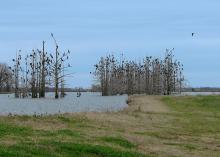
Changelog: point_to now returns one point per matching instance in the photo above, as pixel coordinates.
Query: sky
(137, 28)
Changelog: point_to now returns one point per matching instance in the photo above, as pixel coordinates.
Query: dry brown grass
(145, 103)
(7, 142)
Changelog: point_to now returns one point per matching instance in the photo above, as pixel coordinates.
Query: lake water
(88, 102)
(71, 103)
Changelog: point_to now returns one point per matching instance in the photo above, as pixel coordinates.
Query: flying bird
(193, 34)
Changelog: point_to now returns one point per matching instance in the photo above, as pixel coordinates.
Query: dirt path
(147, 104)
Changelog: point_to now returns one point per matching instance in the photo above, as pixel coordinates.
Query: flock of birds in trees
(152, 76)
(38, 70)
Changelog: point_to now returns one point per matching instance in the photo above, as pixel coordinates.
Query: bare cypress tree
(100, 72)
(62, 82)
(16, 71)
(147, 65)
(33, 75)
(27, 71)
(43, 70)
(58, 67)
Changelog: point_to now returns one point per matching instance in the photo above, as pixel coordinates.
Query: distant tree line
(5, 78)
(31, 75)
(152, 76)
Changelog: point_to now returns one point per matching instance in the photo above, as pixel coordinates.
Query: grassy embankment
(150, 126)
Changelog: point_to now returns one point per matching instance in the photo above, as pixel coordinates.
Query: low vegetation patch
(13, 130)
(68, 149)
(185, 145)
(119, 141)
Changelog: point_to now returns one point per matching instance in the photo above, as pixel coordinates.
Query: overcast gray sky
(94, 28)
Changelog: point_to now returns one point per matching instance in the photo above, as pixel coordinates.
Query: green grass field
(190, 126)
(19, 137)
(197, 115)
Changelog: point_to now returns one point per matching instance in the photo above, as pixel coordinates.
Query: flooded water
(88, 102)
(71, 103)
